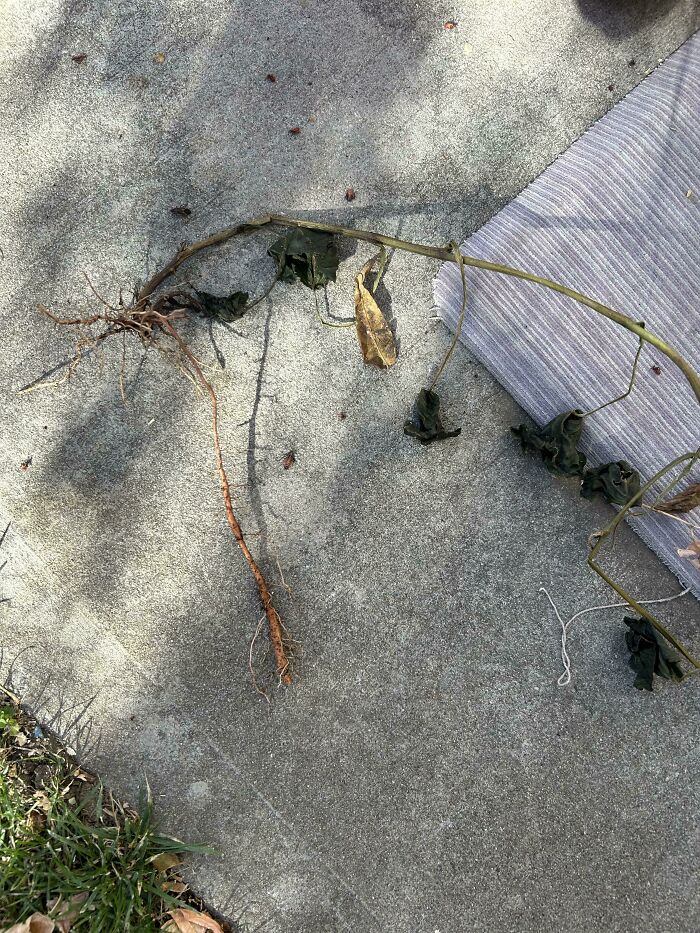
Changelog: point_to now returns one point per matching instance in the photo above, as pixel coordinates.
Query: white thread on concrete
(565, 678)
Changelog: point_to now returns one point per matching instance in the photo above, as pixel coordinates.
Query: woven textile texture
(616, 217)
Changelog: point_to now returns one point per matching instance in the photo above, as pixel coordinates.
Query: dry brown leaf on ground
(37, 923)
(69, 911)
(692, 552)
(174, 887)
(373, 332)
(166, 860)
(42, 801)
(685, 501)
(185, 920)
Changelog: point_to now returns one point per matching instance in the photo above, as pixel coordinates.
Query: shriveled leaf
(307, 255)
(37, 820)
(685, 501)
(165, 861)
(615, 482)
(174, 887)
(692, 552)
(650, 654)
(223, 307)
(557, 443)
(42, 801)
(37, 923)
(185, 920)
(68, 911)
(373, 332)
(427, 424)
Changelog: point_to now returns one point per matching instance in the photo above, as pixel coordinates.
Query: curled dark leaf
(80, 58)
(650, 654)
(181, 211)
(427, 424)
(616, 482)
(307, 255)
(222, 307)
(557, 443)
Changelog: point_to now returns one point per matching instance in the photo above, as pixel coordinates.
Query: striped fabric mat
(616, 217)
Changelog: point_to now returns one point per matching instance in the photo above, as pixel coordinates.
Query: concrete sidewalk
(425, 772)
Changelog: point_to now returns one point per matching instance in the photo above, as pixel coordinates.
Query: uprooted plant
(307, 253)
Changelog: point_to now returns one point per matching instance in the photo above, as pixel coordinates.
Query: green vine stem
(457, 257)
(433, 252)
(610, 529)
(451, 253)
(620, 398)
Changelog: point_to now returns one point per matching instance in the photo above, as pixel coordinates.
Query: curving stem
(644, 613)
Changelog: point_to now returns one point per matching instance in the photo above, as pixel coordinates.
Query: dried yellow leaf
(184, 920)
(373, 332)
(165, 860)
(37, 923)
(42, 801)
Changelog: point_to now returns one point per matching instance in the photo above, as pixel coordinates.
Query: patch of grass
(69, 849)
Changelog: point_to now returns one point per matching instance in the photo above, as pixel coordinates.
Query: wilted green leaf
(307, 255)
(223, 307)
(650, 654)
(426, 424)
(616, 482)
(557, 443)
